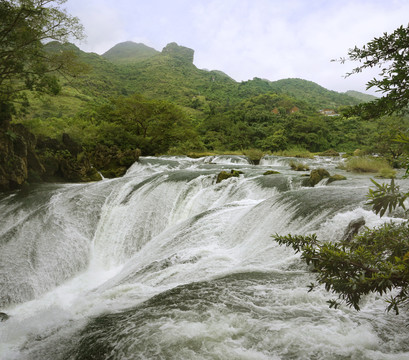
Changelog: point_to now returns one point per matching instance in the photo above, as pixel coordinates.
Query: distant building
(328, 112)
(294, 109)
(275, 111)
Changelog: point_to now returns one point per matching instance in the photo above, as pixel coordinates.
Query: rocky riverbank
(26, 159)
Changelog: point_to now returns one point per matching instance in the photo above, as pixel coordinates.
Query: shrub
(297, 152)
(298, 166)
(387, 173)
(330, 152)
(362, 164)
(253, 154)
(223, 175)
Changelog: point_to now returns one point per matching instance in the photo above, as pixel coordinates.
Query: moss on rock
(336, 177)
(316, 176)
(223, 175)
(329, 152)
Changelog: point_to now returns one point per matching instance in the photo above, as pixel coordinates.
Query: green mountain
(129, 52)
(314, 94)
(130, 68)
(226, 114)
(361, 96)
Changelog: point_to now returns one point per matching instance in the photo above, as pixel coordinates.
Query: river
(165, 263)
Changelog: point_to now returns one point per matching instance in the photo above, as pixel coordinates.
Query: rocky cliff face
(24, 159)
(18, 160)
(179, 52)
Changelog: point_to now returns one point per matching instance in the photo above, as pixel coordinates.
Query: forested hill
(361, 96)
(134, 100)
(171, 75)
(129, 52)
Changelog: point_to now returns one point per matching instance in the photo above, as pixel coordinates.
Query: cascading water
(164, 263)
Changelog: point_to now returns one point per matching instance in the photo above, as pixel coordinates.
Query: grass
(298, 166)
(252, 154)
(387, 173)
(367, 164)
(297, 152)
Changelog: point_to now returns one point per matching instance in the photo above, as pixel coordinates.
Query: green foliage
(129, 53)
(386, 173)
(223, 175)
(366, 164)
(390, 53)
(296, 151)
(336, 177)
(253, 154)
(386, 197)
(24, 63)
(269, 116)
(317, 175)
(329, 152)
(151, 125)
(298, 166)
(375, 261)
(360, 96)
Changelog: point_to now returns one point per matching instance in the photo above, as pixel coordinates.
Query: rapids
(164, 263)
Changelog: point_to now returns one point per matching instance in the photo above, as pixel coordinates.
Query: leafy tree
(154, 126)
(391, 55)
(377, 261)
(388, 128)
(25, 25)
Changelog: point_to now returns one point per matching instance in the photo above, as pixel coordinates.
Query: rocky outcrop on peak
(179, 52)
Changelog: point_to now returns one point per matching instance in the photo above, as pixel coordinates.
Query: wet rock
(111, 161)
(353, 228)
(72, 146)
(336, 177)
(329, 152)
(223, 175)
(271, 172)
(316, 176)
(17, 157)
(3, 316)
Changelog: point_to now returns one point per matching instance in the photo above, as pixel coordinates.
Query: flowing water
(164, 263)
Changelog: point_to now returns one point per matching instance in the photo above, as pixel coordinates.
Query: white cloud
(102, 23)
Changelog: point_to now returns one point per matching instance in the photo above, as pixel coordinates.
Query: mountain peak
(180, 52)
(129, 52)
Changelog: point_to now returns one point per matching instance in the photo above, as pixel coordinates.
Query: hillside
(310, 92)
(129, 68)
(224, 114)
(360, 96)
(129, 52)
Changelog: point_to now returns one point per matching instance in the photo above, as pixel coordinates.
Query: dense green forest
(136, 97)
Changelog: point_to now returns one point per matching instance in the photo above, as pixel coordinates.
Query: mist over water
(164, 263)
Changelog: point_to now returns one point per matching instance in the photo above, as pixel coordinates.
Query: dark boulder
(3, 316)
(223, 175)
(316, 176)
(353, 228)
(336, 177)
(329, 152)
(71, 145)
(271, 172)
(17, 157)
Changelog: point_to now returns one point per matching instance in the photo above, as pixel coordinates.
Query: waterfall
(165, 263)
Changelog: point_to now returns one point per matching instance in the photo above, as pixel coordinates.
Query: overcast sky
(271, 39)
